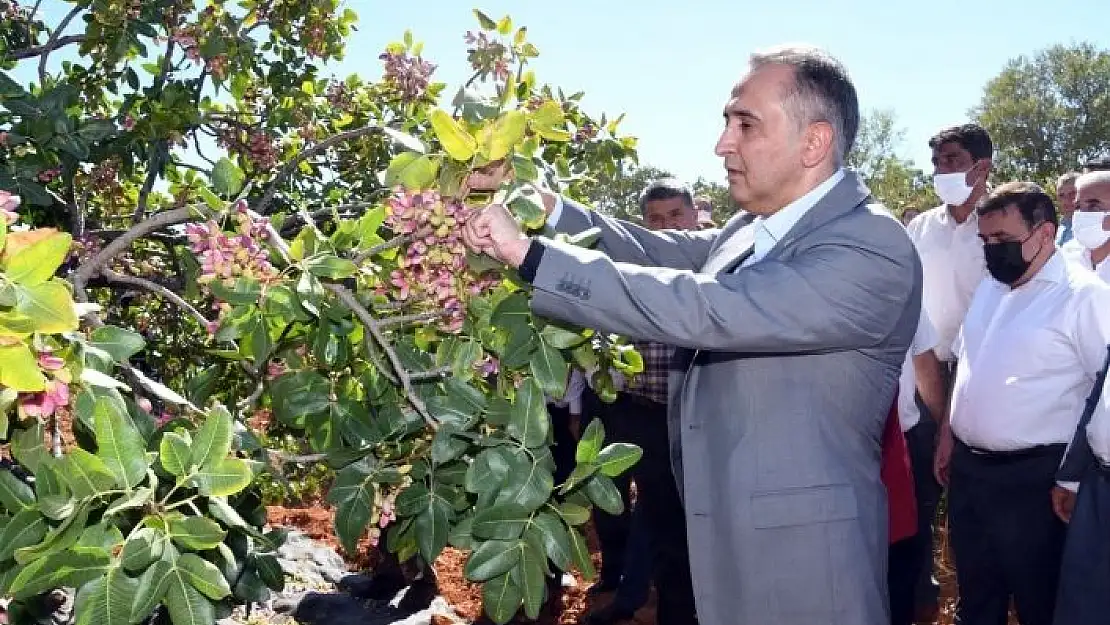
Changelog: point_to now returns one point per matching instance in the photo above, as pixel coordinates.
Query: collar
(944, 216)
(1055, 270)
(770, 230)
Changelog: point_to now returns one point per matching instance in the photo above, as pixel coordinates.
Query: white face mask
(1086, 227)
(952, 188)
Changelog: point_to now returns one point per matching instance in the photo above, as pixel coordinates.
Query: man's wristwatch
(531, 262)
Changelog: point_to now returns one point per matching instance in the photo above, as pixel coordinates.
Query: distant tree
(893, 180)
(619, 195)
(1048, 113)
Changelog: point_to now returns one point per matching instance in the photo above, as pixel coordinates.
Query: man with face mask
(1091, 224)
(946, 238)
(1030, 349)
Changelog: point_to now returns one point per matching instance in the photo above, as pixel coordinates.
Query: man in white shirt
(1066, 195)
(1029, 351)
(1090, 244)
(922, 381)
(947, 240)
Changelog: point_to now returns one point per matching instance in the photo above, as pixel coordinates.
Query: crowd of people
(818, 375)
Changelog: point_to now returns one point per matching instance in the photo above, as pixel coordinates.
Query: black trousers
(1006, 540)
(644, 423)
(1084, 594)
(909, 573)
(565, 443)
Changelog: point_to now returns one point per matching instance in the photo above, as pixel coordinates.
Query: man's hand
(1063, 502)
(944, 454)
(495, 232)
(488, 179)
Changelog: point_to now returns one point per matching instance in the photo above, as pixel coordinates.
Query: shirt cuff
(1072, 486)
(556, 213)
(531, 263)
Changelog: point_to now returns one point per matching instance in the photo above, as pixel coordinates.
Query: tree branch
(33, 51)
(396, 241)
(414, 318)
(53, 42)
(294, 162)
(431, 374)
(154, 287)
(94, 265)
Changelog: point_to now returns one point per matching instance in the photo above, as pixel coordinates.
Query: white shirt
(1073, 252)
(771, 229)
(952, 266)
(924, 340)
(572, 398)
(1028, 358)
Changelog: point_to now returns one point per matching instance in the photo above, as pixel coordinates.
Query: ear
(817, 143)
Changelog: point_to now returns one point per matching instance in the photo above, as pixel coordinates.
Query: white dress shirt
(1073, 252)
(1028, 358)
(924, 340)
(952, 267)
(771, 229)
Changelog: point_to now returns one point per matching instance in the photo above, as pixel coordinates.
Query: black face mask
(1005, 261)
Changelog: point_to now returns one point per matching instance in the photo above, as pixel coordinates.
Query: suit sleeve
(626, 242)
(847, 292)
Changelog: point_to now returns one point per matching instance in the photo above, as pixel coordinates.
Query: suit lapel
(733, 251)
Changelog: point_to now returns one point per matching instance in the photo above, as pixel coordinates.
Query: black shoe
(609, 615)
(602, 587)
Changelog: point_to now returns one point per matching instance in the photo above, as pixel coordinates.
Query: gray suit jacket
(778, 399)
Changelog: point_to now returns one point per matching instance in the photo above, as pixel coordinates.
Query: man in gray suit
(793, 323)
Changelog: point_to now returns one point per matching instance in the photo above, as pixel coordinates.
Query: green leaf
(432, 526)
(223, 478)
(524, 168)
(142, 549)
(55, 499)
(404, 140)
(119, 445)
(501, 599)
(121, 344)
(160, 390)
(329, 266)
(413, 171)
(29, 447)
(298, 394)
(174, 453)
(530, 421)
(556, 540)
(492, 558)
(85, 474)
(527, 206)
(204, 576)
(186, 604)
(549, 122)
(501, 522)
(69, 568)
(604, 493)
(135, 499)
(551, 370)
(353, 491)
(505, 133)
(36, 263)
(617, 458)
(561, 338)
(484, 21)
(227, 178)
(528, 483)
(505, 25)
(574, 514)
(456, 141)
(106, 600)
(589, 446)
(197, 533)
(269, 571)
(446, 445)
(212, 442)
(60, 538)
(19, 369)
(488, 470)
(529, 575)
(151, 589)
(15, 496)
(581, 552)
(25, 529)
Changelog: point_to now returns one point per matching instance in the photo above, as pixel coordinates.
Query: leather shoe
(609, 615)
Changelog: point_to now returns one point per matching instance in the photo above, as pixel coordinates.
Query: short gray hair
(1071, 176)
(1098, 176)
(822, 91)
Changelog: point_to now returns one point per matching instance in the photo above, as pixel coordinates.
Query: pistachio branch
(397, 241)
(53, 42)
(413, 318)
(154, 287)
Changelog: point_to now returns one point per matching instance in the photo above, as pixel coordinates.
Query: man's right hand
(943, 455)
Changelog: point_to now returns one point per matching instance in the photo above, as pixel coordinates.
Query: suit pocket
(803, 506)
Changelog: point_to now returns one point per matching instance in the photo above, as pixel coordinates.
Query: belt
(1015, 455)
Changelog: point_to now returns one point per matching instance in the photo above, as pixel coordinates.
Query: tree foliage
(893, 180)
(271, 241)
(1048, 112)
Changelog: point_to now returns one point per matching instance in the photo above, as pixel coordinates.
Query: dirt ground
(567, 609)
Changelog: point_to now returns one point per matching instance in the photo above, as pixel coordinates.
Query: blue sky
(671, 70)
